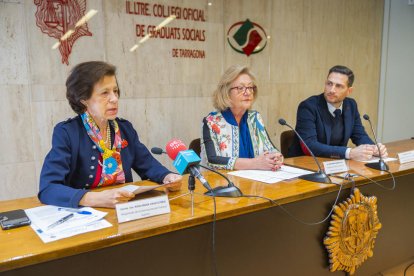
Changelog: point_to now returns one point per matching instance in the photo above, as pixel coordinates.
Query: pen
(62, 220)
(75, 211)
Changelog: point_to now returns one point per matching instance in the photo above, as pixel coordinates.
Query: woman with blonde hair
(234, 137)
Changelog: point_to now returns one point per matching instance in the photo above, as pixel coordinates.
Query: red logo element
(56, 17)
(247, 37)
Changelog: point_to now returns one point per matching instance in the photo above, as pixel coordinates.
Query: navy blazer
(314, 124)
(70, 166)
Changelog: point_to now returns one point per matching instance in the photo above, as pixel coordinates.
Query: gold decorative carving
(351, 235)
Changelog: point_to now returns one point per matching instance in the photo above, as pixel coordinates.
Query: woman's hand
(174, 181)
(106, 198)
(268, 161)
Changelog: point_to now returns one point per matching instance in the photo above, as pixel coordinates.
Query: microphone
(185, 161)
(381, 165)
(188, 161)
(158, 151)
(320, 176)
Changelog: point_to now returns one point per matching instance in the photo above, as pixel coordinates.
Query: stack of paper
(135, 189)
(53, 223)
(270, 177)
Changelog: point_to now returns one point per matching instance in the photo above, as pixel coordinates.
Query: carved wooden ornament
(351, 236)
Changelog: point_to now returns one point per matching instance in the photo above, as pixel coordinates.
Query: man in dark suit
(327, 121)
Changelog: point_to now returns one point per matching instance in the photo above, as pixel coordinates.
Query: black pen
(62, 220)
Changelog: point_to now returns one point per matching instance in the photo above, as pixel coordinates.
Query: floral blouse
(220, 140)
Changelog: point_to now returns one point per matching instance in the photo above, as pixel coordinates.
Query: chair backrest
(195, 145)
(286, 139)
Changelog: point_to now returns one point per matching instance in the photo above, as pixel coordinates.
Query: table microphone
(157, 151)
(320, 176)
(178, 152)
(381, 165)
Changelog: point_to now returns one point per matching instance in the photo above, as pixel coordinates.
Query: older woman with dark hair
(95, 148)
(234, 137)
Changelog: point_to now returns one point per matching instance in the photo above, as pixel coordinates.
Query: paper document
(54, 223)
(376, 159)
(140, 189)
(285, 173)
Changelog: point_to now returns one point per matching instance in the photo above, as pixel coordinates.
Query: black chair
(286, 139)
(195, 145)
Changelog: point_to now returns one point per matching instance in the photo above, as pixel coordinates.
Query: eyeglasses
(243, 89)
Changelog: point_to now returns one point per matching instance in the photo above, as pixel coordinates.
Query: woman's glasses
(244, 89)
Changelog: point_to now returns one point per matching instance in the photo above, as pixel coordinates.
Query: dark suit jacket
(314, 124)
(70, 167)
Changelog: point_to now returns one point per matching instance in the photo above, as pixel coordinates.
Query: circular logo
(352, 233)
(247, 37)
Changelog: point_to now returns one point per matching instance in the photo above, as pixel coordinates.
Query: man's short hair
(345, 71)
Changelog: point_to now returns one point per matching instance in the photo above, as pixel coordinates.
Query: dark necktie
(337, 134)
(337, 113)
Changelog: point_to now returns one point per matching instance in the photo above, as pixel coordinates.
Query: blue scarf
(245, 141)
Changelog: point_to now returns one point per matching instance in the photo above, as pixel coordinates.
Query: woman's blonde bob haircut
(221, 96)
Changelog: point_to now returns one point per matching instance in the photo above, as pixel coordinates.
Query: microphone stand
(320, 176)
(191, 188)
(224, 191)
(381, 165)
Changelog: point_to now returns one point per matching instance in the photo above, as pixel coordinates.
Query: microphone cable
(380, 185)
(295, 217)
(217, 172)
(347, 178)
(214, 235)
(406, 269)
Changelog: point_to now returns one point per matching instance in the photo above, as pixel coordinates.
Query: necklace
(108, 136)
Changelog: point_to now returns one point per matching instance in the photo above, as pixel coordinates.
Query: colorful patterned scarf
(112, 171)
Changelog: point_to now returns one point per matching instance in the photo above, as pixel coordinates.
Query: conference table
(252, 235)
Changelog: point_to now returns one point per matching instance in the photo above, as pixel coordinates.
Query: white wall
(396, 106)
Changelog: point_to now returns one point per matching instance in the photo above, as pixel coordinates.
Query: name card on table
(335, 166)
(142, 208)
(405, 157)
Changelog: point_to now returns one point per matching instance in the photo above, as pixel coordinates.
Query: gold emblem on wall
(351, 236)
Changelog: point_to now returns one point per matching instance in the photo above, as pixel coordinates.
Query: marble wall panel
(13, 57)
(289, 15)
(366, 99)
(134, 110)
(323, 55)
(45, 63)
(15, 127)
(290, 62)
(325, 16)
(18, 180)
(45, 115)
(48, 92)
(283, 104)
(364, 14)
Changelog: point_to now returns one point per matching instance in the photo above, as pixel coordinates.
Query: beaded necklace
(108, 140)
